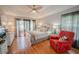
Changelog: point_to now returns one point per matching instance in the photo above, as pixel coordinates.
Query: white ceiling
(23, 10)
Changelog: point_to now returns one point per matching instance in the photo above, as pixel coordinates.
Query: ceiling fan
(35, 8)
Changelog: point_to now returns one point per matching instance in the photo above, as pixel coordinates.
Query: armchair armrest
(54, 37)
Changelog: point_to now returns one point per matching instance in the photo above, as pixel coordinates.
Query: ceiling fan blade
(34, 6)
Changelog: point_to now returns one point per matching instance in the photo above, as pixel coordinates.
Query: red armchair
(59, 45)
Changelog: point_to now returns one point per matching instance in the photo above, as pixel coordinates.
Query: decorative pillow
(63, 38)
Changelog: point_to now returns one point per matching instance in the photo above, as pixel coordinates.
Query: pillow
(63, 38)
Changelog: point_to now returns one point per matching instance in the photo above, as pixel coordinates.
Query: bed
(37, 36)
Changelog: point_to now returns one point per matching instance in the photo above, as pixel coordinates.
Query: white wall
(9, 22)
(55, 18)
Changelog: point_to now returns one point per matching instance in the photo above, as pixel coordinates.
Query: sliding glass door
(20, 34)
(27, 25)
(34, 25)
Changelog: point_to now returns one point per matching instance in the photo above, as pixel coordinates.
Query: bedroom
(28, 25)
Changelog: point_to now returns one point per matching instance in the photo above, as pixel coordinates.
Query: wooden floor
(39, 48)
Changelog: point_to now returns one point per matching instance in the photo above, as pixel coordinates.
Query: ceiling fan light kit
(34, 11)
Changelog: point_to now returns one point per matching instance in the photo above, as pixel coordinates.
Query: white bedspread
(39, 35)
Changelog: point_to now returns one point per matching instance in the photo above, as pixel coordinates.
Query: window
(26, 24)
